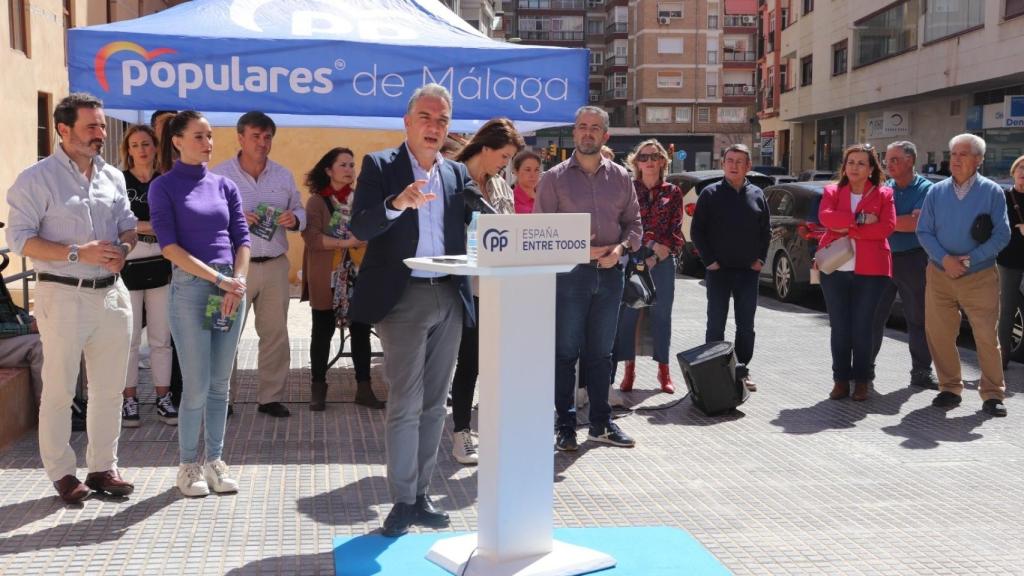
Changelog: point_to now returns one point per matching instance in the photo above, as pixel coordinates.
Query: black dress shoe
(402, 516)
(429, 515)
(924, 380)
(946, 399)
(994, 407)
(275, 409)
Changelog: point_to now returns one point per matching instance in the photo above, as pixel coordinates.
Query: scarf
(340, 195)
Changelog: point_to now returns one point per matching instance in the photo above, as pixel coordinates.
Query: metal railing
(740, 56)
(615, 94)
(616, 28)
(740, 90)
(24, 276)
(551, 4)
(545, 35)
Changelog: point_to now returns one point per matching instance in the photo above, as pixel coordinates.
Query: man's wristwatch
(73, 253)
(125, 248)
(966, 262)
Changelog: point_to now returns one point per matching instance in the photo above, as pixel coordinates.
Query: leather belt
(262, 259)
(432, 281)
(147, 238)
(94, 283)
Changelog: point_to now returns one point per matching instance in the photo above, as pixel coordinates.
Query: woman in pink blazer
(858, 207)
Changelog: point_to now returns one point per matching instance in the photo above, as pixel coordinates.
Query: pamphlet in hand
(214, 318)
(337, 227)
(266, 221)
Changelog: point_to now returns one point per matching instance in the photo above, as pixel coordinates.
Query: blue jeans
(206, 360)
(660, 316)
(740, 284)
(586, 314)
(851, 300)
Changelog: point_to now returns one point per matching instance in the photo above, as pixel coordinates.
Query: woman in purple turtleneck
(198, 220)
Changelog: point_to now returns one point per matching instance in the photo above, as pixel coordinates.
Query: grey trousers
(908, 278)
(420, 337)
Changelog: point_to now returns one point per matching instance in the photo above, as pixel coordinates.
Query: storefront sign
(890, 124)
(1013, 112)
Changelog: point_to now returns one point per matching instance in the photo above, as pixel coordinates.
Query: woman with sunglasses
(661, 212)
(861, 208)
(329, 266)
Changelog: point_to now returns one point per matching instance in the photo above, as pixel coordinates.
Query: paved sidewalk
(792, 484)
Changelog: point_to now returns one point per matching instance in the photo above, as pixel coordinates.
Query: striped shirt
(53, 201)
(276, 188)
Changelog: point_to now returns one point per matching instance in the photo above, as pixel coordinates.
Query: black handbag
(638, 291)
(146, 273)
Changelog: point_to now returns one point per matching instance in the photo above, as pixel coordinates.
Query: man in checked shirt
(261, 181)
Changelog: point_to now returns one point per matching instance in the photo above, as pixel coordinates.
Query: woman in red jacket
(859, 207)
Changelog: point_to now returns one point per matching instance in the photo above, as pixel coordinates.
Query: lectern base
(452, 554)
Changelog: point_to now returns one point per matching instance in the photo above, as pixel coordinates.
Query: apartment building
(772, 74)
(681, 71)
(878, 70)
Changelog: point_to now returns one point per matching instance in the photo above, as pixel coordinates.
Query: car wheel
(784, 279)
(1017, 335)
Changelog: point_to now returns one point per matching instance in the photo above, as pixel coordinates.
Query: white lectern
(517, 367)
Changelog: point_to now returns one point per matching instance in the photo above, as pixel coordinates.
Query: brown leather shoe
(71, 489)
(109, 482)
(861, 390)
(840, 390)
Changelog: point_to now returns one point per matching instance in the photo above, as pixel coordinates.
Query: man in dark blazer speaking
(409, 202)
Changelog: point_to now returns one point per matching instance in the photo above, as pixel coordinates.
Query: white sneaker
(463, 448)
(191, 482)
(615, 398)
(218, 477)
(582, 399)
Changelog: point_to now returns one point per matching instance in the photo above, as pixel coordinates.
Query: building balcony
(730, 56)
(736, 21)
(615, 94)
(739, 90)
(596, 69)
(616, 29)
(614, 62)
(550, 36)
(563, 5)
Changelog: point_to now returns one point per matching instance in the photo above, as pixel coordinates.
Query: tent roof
(350, 63)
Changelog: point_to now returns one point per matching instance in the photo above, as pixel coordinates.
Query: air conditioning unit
(748, 20)
(664, 20)
(748, 90)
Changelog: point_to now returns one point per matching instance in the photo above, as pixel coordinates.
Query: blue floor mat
(645, 551)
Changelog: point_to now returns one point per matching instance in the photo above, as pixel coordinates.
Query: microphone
(476, 201)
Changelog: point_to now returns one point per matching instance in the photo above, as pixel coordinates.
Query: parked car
(782, 178)
(815, 176)
(692, 183)
(770, 170)
(795, 234)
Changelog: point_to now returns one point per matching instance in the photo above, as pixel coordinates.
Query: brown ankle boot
(861, 390)
(627, 378)
(665, 379)
(318, 396)
(365, 396)
(840, 390)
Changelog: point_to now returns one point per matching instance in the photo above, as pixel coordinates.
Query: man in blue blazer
(409, 202)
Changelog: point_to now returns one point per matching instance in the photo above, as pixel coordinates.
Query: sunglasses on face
(647, 157)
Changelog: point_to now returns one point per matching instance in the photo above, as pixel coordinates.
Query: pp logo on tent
(109, 50)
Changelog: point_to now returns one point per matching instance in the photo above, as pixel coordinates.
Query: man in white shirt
(264, 184)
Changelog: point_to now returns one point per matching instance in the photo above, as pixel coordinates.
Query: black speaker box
(710, 374)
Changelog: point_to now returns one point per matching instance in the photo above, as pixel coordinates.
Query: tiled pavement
(793, 484)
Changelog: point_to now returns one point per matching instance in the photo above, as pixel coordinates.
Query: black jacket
(731, 227)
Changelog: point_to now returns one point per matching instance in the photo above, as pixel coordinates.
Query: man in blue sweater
(963, 226)
(731, 229)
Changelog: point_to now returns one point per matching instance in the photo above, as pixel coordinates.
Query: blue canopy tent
(342, 63)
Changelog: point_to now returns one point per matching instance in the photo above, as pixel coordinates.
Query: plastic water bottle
(471, 238)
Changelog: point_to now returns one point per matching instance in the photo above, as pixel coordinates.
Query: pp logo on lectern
(495, 240)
